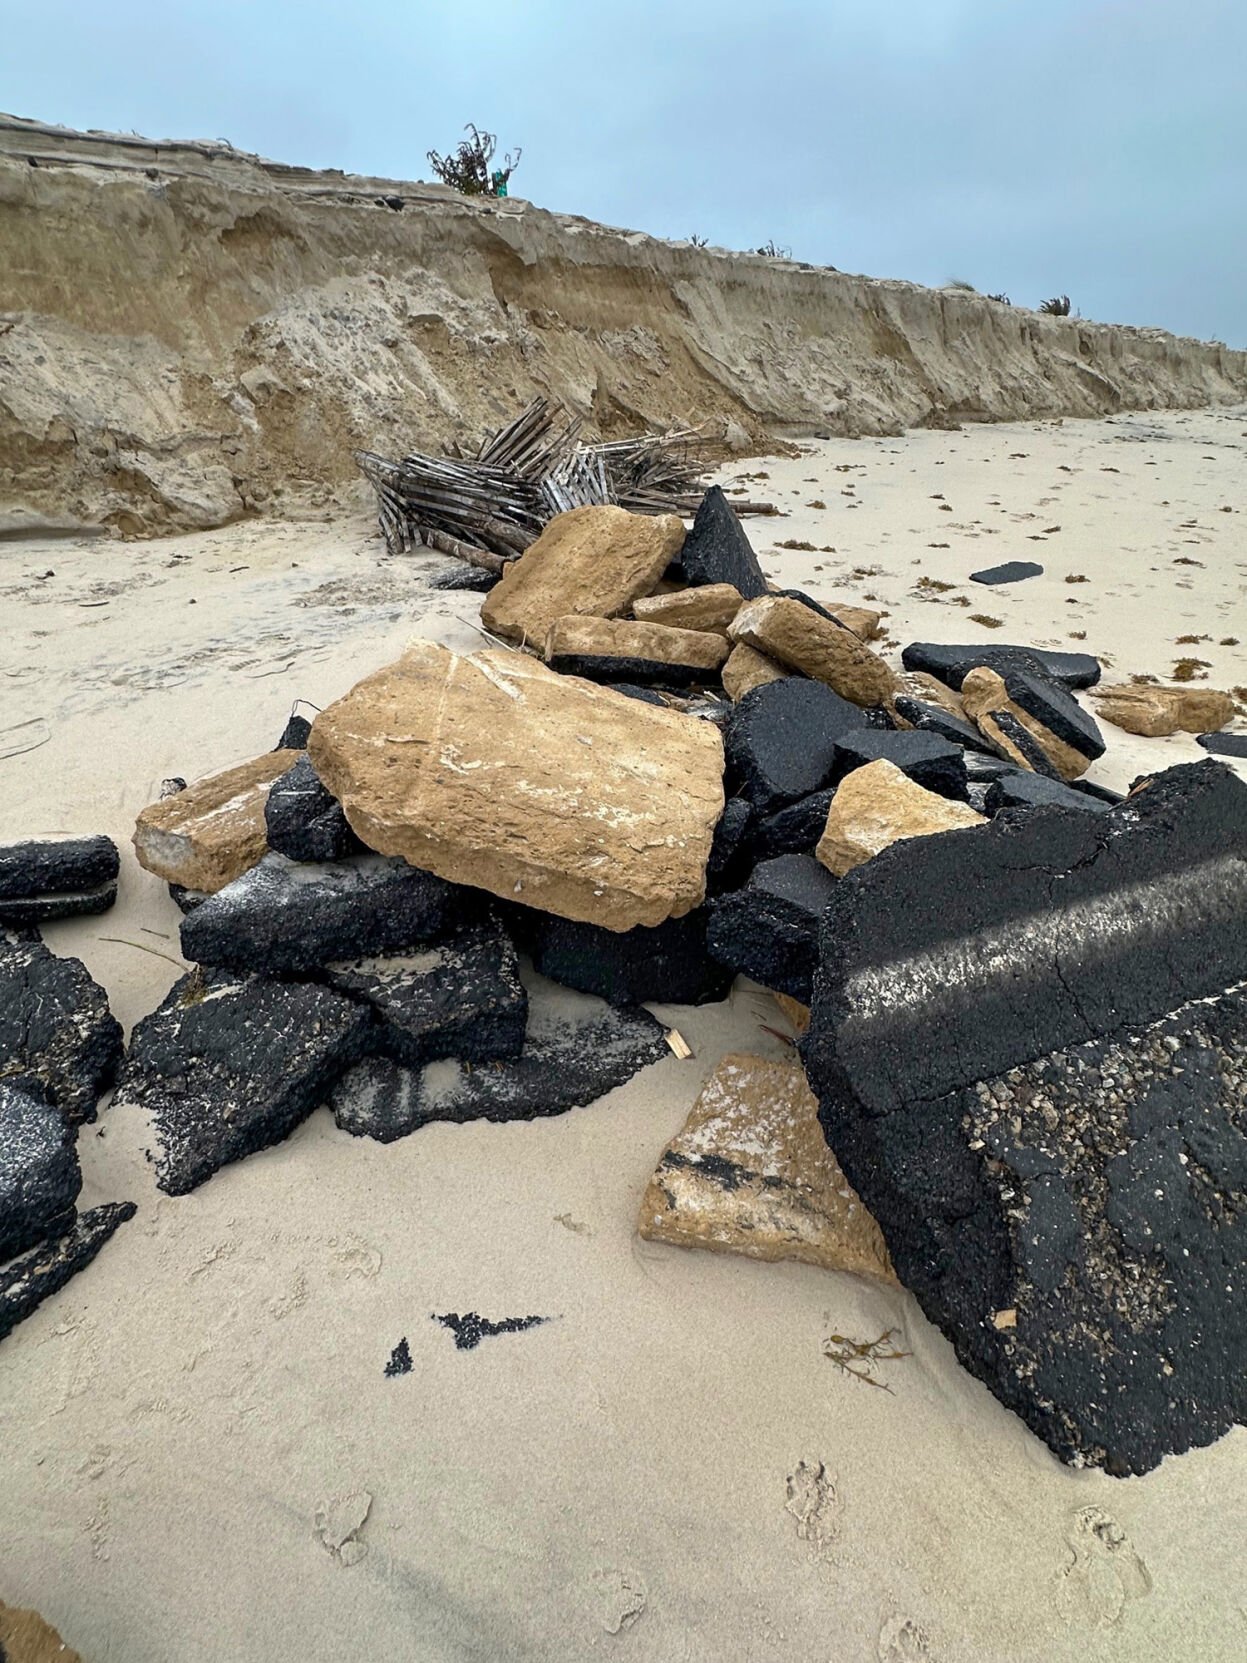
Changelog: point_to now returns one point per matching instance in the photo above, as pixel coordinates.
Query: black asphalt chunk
(286, 916)
(1057, 709)
(458, 997)
(814, 606)
(57, 868)
(1224, 744)
(936, 764)
(728, 865)
(469, 1330)
(26, 914)
(186, 900)
(39, 1176)
(794, 830)
(294, 735)
(1019, 789)
(472, 578)
(952, 665)
(613, 669)
(27, 1281)
(571, 1057)
(931, 718)
(229, 1064)
(716, 550)
(781, 741)
(58, 1039)
(769, 930)
(304, 821)
(1012, 571)
(645, 695)
(1019, 735)
(400, 1359)
(1029, 1066)
(667, 964)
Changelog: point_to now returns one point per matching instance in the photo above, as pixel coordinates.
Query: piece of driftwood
(489, 508)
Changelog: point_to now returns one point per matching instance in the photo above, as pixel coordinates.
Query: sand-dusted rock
(1015, 731)
(781, 740)
(1158, 711)
(620, 649)
(25, 1282)
(717, 550)
(769, 929)
(795, 635)
(710, 608)
(58, 1039)
(593, 562)
(919, 684)
(213, 831)
(746, 669)
(575, 1051)
(876, 806)
(750, 1172)
(43, 878)
(952, 664)
(26, 1638)
(494, 771)
(39, 1176)
(230, 1064)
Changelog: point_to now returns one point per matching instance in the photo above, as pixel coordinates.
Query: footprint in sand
(814, 1503)
(902, 1641)
(1103, 1573)
(621, 1597)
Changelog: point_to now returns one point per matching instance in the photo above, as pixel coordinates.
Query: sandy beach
(200, 1437)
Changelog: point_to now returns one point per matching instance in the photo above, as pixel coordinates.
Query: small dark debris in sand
(469, 1330)
(400, 1359)
(987, 623)
(1191, 669)
(1077, 577)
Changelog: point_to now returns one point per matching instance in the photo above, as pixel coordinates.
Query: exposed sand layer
(189, 334)
(199, 1434)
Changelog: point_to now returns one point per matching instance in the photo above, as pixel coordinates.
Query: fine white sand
(671, 1469)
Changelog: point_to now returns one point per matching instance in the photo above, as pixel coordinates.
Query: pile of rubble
(1023, 1088)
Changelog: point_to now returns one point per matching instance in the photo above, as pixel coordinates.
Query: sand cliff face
(189, 335)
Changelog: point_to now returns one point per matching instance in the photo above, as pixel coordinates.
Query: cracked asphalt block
(1030, 1054)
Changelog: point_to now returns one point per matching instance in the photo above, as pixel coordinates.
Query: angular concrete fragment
(230, 1064)
(42, 1271)
(935, 764)
(39, 1176)
(1018, 789)
(286, 916)
(460, 997)
(1027, 1064)
(619, 649)
(213, 831)
(750, 1172)
(576, 1050)
(876, 806)
(795, 829)
(668, 964)
(792, 634)
(952, 664)
(302, 820)
(781, 740)
(746, 669)
(711, 608)
(493, 771)
(1158, 711)
(769, 929)
(592, 562)
(56, 877)
(717, 550)
(998, 717)
(58, 1039)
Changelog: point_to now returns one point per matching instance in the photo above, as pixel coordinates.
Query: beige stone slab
(878, 805)
(794, 634)
(1156, 712)
(625, 639)
(212, 832)
(494, 771)
(864, 621)
(591, 561)
(746, 669)
(26, 1638)
(711, 607)
(750, 1172)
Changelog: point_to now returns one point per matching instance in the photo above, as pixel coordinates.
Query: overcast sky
(1094, 147)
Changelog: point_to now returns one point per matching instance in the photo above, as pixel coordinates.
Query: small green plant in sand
(861, 1358)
